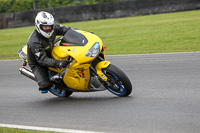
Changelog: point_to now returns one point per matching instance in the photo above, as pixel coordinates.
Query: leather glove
(63, 64)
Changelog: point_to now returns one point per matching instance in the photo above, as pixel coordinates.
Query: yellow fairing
(100, 66)
(77, 52)
(56, 69)
(24, 50)
(77, 76)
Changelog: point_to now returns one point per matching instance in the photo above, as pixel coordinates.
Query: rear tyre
(58, 91)
(62, 93)
(57, 87)
(119, 83)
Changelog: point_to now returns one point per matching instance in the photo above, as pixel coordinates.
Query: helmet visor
(47, 28)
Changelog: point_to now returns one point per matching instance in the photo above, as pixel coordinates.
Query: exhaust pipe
(27, 72)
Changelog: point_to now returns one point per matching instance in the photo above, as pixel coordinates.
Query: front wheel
(118, 83)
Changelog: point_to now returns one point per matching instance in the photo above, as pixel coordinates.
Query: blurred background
(20, 13)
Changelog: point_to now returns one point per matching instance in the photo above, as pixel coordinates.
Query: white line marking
(45, 129)
(157, 54)
(13, 60)
(198, 52)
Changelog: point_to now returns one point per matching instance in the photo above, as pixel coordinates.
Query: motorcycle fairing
(61, 52)
(23, 52)
(77, 76)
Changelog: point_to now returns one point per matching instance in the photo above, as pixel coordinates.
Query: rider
(40, 45)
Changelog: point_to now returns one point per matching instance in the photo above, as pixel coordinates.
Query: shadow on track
(82, 101)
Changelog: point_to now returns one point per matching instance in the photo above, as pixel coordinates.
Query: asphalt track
(165, 98)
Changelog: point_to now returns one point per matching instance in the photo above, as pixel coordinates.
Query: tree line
(8, 6)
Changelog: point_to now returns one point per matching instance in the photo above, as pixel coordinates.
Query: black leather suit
(39, 55)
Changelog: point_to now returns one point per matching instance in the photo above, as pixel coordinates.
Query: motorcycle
(87, 70)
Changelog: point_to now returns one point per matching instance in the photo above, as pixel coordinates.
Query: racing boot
(44, 90)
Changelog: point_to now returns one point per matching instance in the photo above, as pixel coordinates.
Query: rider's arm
(41, 57)
(60, 29)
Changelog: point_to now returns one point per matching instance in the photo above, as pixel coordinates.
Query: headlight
(93, 51)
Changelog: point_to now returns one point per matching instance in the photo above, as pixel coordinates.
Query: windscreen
(74, 38)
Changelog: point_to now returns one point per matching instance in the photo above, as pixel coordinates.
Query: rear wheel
(58, 85)
(119, 84)
(58, 91)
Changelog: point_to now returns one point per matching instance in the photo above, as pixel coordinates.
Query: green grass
(162, 33)
(11, 130)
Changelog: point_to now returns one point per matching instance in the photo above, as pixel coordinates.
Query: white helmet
(44, 18)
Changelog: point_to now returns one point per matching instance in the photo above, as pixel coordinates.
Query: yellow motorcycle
(87, 71)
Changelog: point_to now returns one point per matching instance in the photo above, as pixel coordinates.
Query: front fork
(98, 71)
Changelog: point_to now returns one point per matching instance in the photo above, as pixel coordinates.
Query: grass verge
(11, 130)
(161, 33)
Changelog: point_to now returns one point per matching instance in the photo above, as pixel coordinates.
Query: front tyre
(119, 83)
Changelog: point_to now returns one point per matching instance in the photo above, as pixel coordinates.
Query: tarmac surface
(165, 98)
